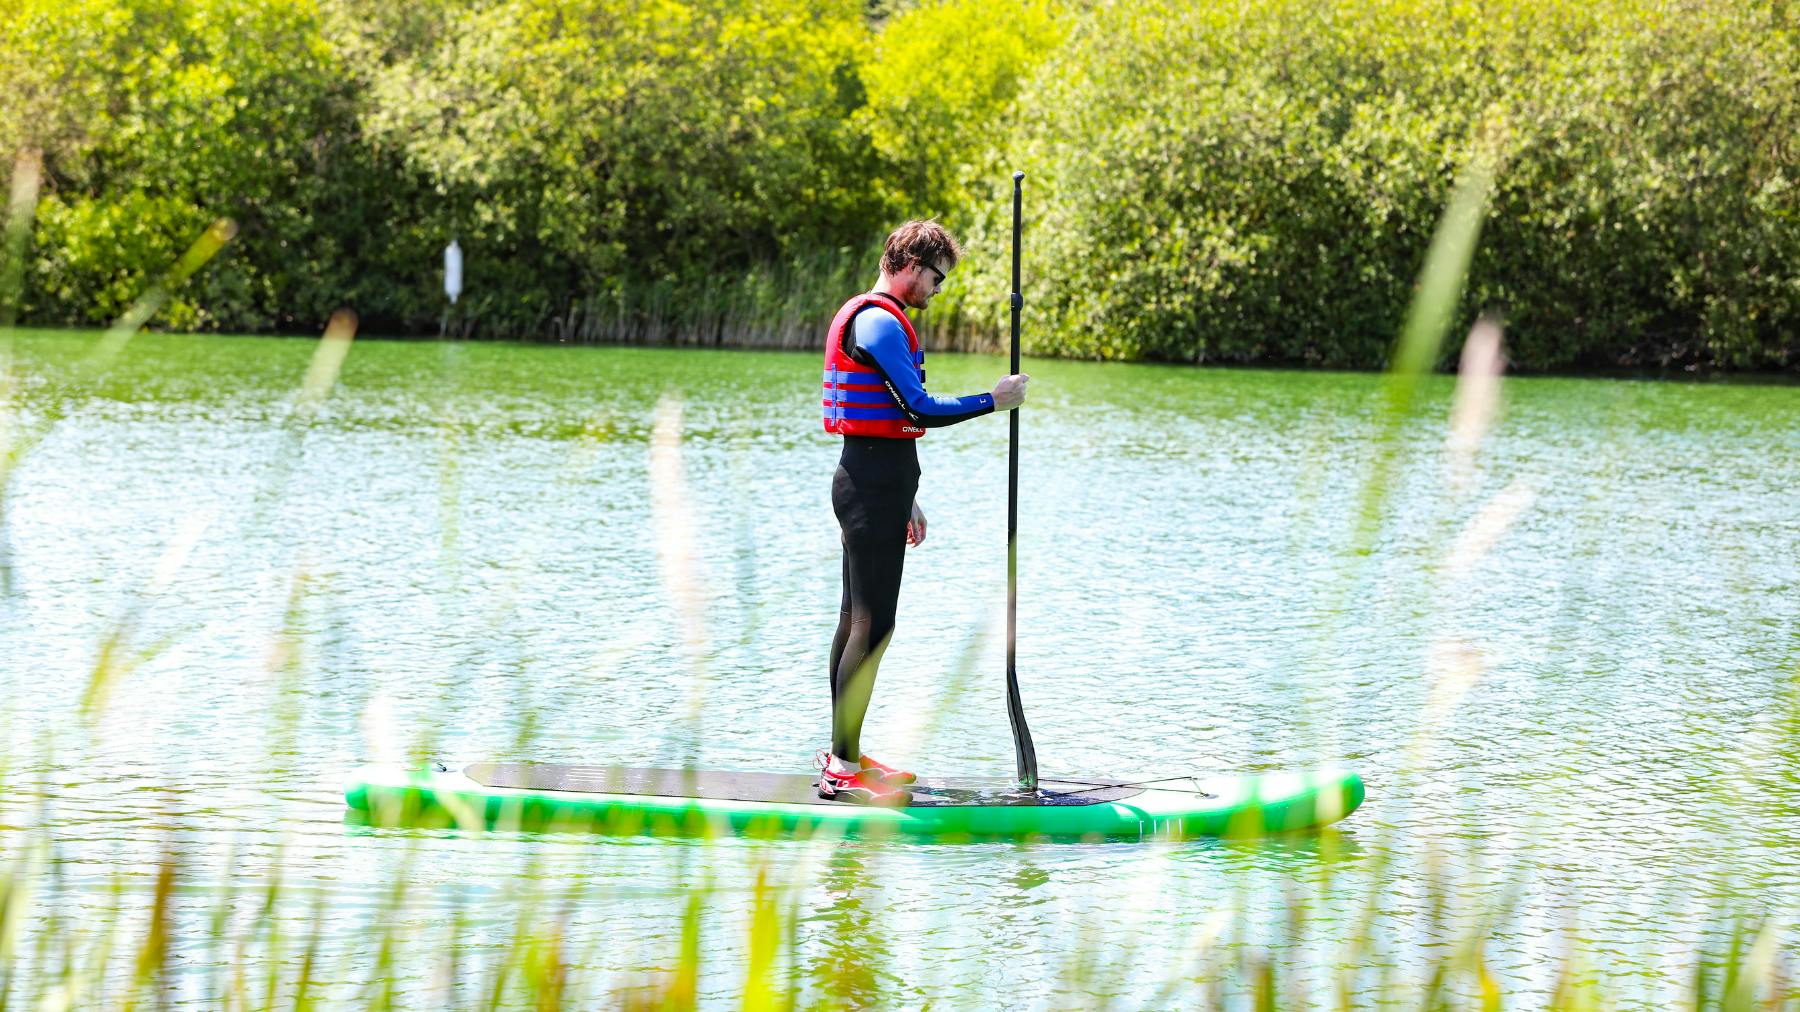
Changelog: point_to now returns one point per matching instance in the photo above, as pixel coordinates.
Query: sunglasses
(933, 269)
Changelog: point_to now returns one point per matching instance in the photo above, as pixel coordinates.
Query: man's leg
(873, 568)
(841, 638)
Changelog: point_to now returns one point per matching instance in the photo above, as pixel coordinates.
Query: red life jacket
(857, 402)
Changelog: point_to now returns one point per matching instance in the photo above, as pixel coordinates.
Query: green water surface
(1564, 666)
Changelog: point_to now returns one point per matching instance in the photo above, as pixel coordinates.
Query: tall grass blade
(327, 361)
(762, 991)
(119, 652)
(201, 250)
(21, 208)
(150, 971)
(677, 551)
(1437, 293)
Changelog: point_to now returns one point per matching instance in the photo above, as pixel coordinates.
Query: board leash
(1145, 784)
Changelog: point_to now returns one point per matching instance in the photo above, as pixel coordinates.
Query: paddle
(1015, 712)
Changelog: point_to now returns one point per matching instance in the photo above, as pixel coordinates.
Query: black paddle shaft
(1015, 711)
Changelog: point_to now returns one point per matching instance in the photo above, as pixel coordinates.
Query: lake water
(1565, 666)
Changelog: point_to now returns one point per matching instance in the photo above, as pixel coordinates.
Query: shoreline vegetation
(1254, 185)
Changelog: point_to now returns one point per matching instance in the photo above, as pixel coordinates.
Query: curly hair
(919, 240)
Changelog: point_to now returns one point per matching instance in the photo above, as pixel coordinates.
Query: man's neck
(890, 286)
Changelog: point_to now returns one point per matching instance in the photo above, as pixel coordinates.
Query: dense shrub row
(1261, 186)
(1245, 182)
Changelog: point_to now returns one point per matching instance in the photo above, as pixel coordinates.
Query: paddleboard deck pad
(778, 788)
(551, 796)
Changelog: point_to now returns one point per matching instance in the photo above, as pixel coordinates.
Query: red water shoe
(859, 787)
(886, 772)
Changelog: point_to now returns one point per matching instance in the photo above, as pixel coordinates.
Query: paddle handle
(1023, 750)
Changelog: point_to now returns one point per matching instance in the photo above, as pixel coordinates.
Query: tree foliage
(1259, 184)
(608, 145)
(942, 79)
(1253, 182)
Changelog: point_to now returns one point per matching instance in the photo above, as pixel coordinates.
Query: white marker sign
(453, 271)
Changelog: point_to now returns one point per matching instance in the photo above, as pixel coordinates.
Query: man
(875, 397)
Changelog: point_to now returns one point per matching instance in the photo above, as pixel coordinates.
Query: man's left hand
(915, 528)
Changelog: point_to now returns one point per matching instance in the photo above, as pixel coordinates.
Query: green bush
(216, 108)
(97, 257)
(1260, 184)
(617, 151)
(940, 80)
(1649, 213)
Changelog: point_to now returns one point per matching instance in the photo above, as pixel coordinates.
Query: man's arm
(880, 343)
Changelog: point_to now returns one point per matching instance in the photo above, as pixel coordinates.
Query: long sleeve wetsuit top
(881, 343)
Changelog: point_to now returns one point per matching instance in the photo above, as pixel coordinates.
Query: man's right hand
(1009, 393)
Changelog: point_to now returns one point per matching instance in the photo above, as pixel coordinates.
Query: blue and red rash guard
(879, 344)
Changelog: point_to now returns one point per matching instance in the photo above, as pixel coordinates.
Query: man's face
(927, 281)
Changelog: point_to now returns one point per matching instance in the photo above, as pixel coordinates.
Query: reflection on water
(1584, 732)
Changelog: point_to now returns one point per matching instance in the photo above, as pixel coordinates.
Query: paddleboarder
(875, 397)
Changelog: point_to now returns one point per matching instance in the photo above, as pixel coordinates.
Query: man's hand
(1009, 393)
(915, 528)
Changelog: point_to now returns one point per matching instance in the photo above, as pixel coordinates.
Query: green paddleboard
(621, 799)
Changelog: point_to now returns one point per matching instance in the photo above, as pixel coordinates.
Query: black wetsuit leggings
(872, 494)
